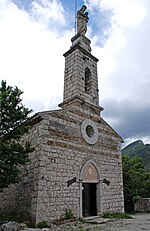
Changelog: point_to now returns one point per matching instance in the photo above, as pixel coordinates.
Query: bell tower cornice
(83, 47)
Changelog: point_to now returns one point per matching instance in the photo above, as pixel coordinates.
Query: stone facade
(75, 150)
(142, 205)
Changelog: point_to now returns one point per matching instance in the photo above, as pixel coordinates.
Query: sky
(34, 35)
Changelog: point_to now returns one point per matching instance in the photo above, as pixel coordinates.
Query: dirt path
(140, 222)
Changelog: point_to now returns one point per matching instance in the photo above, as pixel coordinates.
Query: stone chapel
(77, 160)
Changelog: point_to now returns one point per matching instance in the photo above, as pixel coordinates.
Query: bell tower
(80, 75)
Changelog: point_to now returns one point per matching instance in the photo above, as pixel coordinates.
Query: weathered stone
(142, 205)
(10, 226)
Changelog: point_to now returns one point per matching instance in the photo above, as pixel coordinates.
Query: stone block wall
(20, 200)
(142, 205)
(59, 156)
(74, 77)
(64, 153)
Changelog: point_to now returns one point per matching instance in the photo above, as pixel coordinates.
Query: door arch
(90, 190)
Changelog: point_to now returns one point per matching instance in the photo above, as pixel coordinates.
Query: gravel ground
(140, 222)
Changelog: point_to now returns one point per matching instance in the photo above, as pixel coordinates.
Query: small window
(88, 80)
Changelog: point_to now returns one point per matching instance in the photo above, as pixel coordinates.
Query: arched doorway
(90, 190)
(89, 199)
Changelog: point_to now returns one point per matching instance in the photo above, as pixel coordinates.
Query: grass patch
(42, 224)
(117, 215)
(81, 219)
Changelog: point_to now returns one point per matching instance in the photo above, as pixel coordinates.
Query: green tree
(13, 124)
(136, 180)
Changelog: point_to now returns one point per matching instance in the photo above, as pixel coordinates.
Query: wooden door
(89, 199)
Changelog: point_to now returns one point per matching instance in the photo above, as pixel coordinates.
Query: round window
(89, 131)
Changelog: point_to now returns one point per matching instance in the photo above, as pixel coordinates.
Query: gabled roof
(105, 123)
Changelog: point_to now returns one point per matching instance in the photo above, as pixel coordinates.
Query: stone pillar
(99, 198)
(80, 200)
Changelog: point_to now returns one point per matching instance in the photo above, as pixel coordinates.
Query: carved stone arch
(89, 172)
(90, 180)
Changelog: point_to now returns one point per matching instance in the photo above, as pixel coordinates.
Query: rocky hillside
(138, 148)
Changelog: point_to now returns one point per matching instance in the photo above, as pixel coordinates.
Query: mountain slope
(138, 148)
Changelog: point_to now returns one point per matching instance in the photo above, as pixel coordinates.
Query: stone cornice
(79, 47)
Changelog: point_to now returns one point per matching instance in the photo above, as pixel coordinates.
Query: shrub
(68, 214)
(42, 224)
(136, 198)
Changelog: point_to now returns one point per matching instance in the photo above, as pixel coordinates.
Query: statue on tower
(82, 19)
